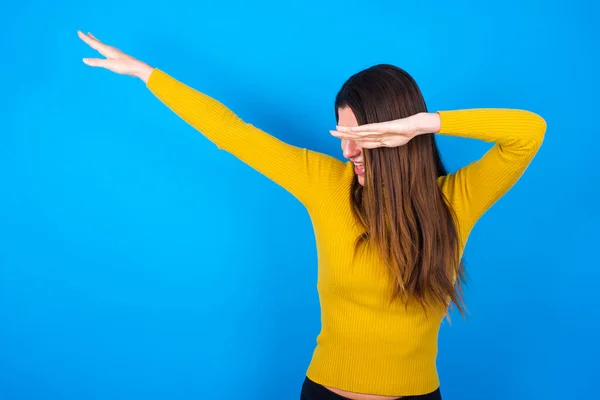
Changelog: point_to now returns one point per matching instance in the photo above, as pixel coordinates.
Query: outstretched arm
(304, 173)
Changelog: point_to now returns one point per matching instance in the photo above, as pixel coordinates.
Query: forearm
(508, 127)
(426, 123)
(517, 135)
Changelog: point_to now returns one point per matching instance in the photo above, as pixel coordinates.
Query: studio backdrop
(138, 261)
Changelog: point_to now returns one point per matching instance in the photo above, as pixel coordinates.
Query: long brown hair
(404, 212)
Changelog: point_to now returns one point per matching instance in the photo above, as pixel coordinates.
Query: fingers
(370, 140)
(358, 136)
(92, 42)
(89, 39)
(359, 128)
(96, 62)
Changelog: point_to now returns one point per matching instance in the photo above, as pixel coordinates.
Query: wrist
(144, 72)
(427, 123)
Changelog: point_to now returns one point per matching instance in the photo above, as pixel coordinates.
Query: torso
(365, 339)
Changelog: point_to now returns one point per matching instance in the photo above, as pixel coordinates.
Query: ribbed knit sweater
(366, 344)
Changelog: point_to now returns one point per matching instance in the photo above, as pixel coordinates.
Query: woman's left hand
(393, 133)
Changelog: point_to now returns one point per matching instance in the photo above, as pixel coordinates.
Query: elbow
(541, 128)
(532, 128)
(537, 130)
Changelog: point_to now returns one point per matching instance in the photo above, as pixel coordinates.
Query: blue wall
(138, 262)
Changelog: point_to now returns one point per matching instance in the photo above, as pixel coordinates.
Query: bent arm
(302, 172)
(517, 136)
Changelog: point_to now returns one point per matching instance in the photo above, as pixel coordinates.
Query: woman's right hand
(116, 61)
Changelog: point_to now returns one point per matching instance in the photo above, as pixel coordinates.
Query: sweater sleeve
(517, 136)
(304, 173)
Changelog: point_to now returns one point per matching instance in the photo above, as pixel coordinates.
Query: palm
(115, 61)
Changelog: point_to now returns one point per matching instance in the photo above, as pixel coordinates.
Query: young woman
(390, 223)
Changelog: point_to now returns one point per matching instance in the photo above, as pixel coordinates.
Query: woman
(390, 223)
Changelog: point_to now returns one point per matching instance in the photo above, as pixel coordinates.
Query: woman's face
(352, 150)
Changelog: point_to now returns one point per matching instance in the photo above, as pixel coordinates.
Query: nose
(350, 148)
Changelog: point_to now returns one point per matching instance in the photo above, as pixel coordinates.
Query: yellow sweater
(366, 344)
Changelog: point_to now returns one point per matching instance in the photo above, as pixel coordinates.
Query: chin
(361, 180)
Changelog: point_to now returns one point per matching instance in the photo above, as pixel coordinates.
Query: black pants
(314, 391)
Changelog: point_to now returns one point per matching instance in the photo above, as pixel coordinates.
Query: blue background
(139, 262)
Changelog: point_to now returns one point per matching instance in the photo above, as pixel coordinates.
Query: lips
(359, 169)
